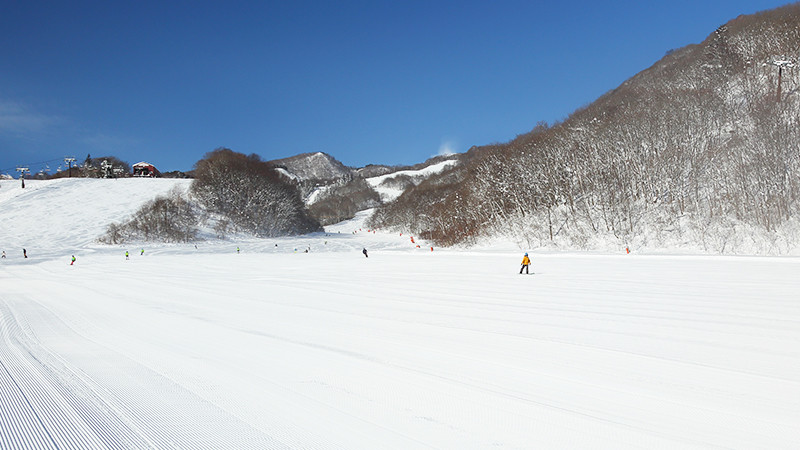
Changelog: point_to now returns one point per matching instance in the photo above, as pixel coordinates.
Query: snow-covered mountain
(317, 166)
(320, 174)
(334, 192)
(699, 151)
(66, 213)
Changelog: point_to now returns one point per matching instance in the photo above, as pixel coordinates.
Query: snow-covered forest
(700, 152)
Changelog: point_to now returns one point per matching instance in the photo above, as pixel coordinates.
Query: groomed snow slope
(50, 218)
(186, 347)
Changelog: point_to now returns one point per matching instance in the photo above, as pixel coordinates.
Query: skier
(237, 249)
(4, 254)
(525, 263)
(24, 253)
(126, 255)
(73, 260)
(365, 252)
(142, 254)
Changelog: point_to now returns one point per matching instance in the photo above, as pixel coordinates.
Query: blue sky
(379, 82)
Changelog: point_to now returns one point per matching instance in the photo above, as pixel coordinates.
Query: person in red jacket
(525, 263)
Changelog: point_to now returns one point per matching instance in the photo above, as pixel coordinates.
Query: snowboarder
(365, 252)
(24, 253)
(525, 263)
(73, 260)
(126, 255)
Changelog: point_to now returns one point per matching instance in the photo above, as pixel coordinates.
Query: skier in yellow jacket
(525, 263)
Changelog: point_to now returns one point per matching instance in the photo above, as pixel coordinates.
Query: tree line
(231, 193)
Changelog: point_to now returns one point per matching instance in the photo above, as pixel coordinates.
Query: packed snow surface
(273, 347)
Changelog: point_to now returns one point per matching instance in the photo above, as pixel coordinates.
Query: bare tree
(250, 194)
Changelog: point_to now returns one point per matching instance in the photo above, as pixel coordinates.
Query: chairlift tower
(780, 63)
(69, 160)
(22, 171)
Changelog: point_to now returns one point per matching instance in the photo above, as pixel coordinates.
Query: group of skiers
(72, 261)
(24, 254)
(127, 255)
(526, 261)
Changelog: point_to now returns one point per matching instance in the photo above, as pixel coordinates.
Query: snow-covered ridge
(314, 166)
(286, 173)
(389, 193)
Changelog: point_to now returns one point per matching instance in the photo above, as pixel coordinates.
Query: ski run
(198, 346)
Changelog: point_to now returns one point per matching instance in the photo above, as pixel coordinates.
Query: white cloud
(19, 119)
(446, 148)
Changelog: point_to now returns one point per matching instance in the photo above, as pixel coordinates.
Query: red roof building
(143, 169)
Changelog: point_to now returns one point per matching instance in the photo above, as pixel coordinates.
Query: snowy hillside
(205, 346)
(698, 151)
(54, 217)
(389, 193)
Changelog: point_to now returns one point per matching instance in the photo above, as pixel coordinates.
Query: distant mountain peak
(314, 166)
